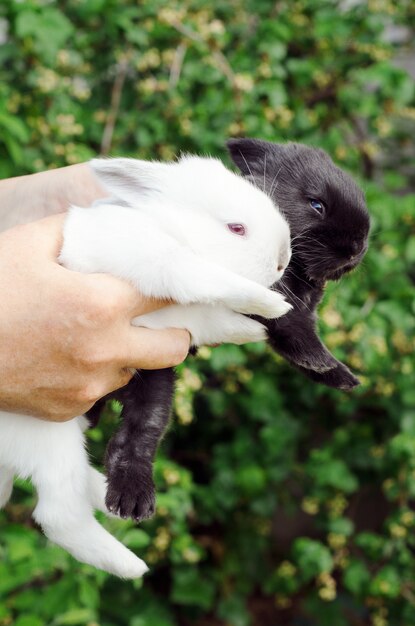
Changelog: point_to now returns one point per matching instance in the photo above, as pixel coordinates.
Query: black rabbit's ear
(253, 155)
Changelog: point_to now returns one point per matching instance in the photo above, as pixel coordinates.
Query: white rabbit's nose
(283, 259)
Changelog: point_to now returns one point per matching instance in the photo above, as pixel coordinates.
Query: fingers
(141, 348)
(132, 303)
(46, 235)
(117, 296)
(142, 304)
(155, 349)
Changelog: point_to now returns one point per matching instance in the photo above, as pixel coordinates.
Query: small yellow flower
(265, 71)
(331, 317)
(336, 505)
(408, 112)
(244, 375)
(327, 594)
(100, 116)
(191, 555)
(217, 27)
(47, 80)
(190, 379)
(204, 353)
(286, 570)
(336, 541)
(171, 476)
(341, 152)
(162, 540)
(243, 82)
(369, 148)
(327, 585)
(236, 128)
(63, 58)
(379, 343)
(388, 484)
(398, 531)
(153, 556)
(282, 602)
(357, 332)
(322, 79)
(310, 506)
(408, 518)
(377, 452)
(284, 116)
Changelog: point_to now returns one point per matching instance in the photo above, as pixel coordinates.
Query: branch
(117, 88)
(177, 64)
(221, 60)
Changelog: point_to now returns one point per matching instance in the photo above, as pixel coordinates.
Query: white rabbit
(180, 244)
(191, 231)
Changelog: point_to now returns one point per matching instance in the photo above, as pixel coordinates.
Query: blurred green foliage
(279, 501)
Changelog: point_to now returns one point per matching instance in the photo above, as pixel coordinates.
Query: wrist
(29, 198)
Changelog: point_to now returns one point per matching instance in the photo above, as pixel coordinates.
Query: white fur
(166, 233)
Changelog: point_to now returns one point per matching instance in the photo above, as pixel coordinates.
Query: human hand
(66, 338)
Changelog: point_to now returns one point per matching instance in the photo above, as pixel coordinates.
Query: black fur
(322, 250)
(147, 402)
(325, 246)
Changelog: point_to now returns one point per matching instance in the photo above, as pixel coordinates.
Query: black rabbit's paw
(131, 493)
(302, 353)
(339, 377)
(317, 362)
(342, 378)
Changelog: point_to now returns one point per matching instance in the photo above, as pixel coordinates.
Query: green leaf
(342, 526)
(331, 472)
(386, 583)
(153, 615)
(136, 538)
(356, 577)
(75, 616)
(28, 620)
(14, 127)
(410, 249)
(312, 557)
(190, 588)
(251, 479)
(48, 28)
(89, 593)
(234, 611)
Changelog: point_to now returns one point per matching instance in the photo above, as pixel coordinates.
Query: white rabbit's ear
(129, 179)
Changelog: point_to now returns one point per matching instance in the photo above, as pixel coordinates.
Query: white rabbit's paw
(254, 332)
(121, 562)
(278, 307)
(267, 303)
(130, 567)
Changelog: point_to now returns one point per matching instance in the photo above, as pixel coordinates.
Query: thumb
(40, 240)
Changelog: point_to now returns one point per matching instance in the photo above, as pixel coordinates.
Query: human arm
(24, 199)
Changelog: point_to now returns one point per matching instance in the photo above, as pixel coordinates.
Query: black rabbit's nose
(356, 250)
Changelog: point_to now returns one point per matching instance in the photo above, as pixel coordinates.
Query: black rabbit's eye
(237, 229)
(317, 205)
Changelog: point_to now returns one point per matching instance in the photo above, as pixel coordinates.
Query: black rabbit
(329, 225)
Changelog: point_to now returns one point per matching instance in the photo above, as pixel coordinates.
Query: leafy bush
(282, 501)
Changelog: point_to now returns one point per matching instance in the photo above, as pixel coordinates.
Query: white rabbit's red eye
(237, 229)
